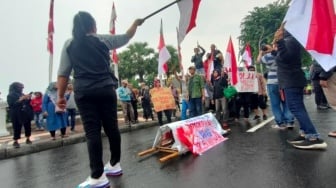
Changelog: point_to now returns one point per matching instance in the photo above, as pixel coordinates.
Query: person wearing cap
(196, 92)
(124, 94)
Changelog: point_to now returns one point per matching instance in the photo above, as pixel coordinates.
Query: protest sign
(162, 99)
(247, 82)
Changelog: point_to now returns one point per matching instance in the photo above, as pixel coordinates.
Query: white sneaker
(113, 170)
(101, 182)
(279, 127)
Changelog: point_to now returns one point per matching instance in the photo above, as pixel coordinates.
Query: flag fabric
(188, 13)
(114, 55)
(247, 55)
(51, 29)
(164, 54)
(179, 52)
(230, 63)
(313, 24)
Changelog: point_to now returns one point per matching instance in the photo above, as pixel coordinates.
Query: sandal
(332, 134)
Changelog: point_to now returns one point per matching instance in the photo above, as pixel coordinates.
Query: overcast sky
(23, 34)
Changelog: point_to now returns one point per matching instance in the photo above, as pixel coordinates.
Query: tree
(259, 27)
(137, 60)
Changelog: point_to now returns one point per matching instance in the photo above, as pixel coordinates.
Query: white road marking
(258, 126)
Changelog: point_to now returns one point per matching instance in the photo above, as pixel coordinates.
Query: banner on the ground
(197, 134)
(162, 99)
(247, 82)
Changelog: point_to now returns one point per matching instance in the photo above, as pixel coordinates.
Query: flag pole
(50, 67)
(161, 9)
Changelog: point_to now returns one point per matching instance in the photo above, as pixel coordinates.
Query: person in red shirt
(36, 103)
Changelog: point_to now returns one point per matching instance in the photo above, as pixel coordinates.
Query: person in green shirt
(196, 92)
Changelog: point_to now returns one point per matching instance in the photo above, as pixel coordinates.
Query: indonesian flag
(230, 63)
(114, 55)
(179, 52)
(164, 54)
(247, 55)
(50, 45)
(208, 68)
(312, 23)
(188, 13)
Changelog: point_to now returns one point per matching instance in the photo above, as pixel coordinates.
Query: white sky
(24, 55)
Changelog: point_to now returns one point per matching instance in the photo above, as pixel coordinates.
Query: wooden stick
(146, 152)
(161, 9)
(168, 157)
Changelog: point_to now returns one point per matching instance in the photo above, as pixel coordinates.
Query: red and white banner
(230, 63)
(313, 24)
(188, 13)
(197, 134)
(114, 55)
(164, 54)
(247, 55)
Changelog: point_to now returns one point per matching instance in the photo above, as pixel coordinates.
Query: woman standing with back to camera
(87, 54)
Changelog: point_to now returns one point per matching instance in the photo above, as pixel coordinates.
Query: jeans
(195, 107)
(281, 112)
(98, 108)
(184, 109)
(294, 101)
(222, 109)
(38, 117)
(71, 114)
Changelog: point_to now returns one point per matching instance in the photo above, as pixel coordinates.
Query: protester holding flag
(283, 117)
(292, 81)
(217, 57)
(197, 59)
(87, 54)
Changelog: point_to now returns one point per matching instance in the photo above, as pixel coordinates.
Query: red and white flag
(247, 55)
(50, 43)
(164, 54)
(114, 55)
(313, 24)
(179, 53)
(230, 63)
(188, 13)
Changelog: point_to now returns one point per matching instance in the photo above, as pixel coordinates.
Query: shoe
(28, 141)
(53, 138)
(226, 127)
(279, 127)
(322, 107)
(101, 182)
(332, 134)
(297, 140)
(290, 126)
(264, 117)
(16, 144)
(256, 117)
(311, 144)
(110, 170)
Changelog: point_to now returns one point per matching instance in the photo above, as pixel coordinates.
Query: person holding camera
(56, 117)
(20, 112)
(282, 115)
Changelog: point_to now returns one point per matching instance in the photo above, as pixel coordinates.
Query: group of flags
(311, 22)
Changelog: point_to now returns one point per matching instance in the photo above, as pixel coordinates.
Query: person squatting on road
(87, 54)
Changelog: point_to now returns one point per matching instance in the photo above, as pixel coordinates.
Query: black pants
(147, 110)
(243, 100)
(53, 133)
(168, 114)
(135, 109)
(320, 98)
(17, 126)
(98, 108)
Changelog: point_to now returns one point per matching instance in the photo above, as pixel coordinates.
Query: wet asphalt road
(262, 159)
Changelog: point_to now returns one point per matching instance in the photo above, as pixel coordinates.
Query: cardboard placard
(162, 99)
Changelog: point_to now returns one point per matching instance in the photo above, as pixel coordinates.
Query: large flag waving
(50, 43)
(164, 54)
(230, 63)
(312, 23)
(188, 13)
(247, 55)
(112, 31)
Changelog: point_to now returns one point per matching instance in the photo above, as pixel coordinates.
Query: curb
(7, 151)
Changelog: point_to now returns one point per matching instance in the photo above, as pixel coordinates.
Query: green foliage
(259, 27)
